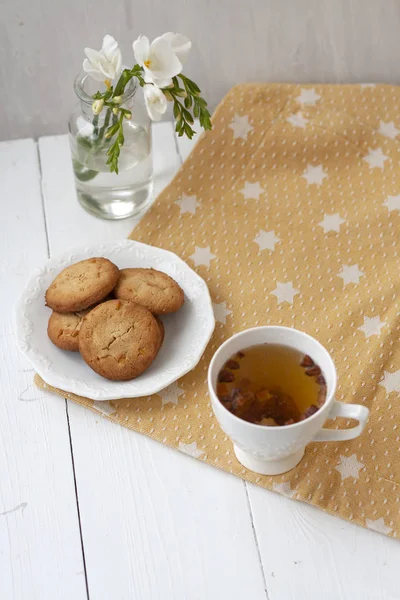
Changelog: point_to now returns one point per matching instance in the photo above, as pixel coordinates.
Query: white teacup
(275, 450)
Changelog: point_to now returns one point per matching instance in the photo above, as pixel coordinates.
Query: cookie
(63, 329)
(119, 339)
(155, 290)
(81, 285)
(162, 330)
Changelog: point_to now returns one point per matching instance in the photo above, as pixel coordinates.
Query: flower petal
(164, 63)
(110, 47)
(141, 49)
(92, 55)
(90, 70)
(161, 83)
(156, 102)
(180, 44)
(112, 54)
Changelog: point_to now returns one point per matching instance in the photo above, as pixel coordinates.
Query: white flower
(158, 59)
(105, 64)
(156, 102)
(179, 43)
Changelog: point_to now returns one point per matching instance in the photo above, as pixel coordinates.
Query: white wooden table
(89, 509)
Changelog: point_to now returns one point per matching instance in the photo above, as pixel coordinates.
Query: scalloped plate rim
(69, 386)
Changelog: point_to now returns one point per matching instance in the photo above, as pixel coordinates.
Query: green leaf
(200, 101)
(112, 130)
(188, 101)
(196, 110)
(188, 116)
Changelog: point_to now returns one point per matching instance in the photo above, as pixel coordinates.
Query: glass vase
(104, 194)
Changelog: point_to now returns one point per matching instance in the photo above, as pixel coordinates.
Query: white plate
(187, 332)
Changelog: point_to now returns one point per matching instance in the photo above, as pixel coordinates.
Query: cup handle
(350, 411)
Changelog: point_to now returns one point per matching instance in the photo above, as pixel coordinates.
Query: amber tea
(271, 384)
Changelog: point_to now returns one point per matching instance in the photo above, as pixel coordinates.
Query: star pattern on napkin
(104, 407)
(350, 274)
(375, 158)
(285, 292)
(332, 223)
(391, 381)
(297, 120)
(187, 204)
(349, 466)
(392, 203)
(379, 526)
(388, 130)
(221, 312)
(170, 394)
(284, 489)
(252, 190)
(314, 175)
(191, 449)
(240, 126)
(372, 326)
(202, 256)
(308, 96)
(266, 240)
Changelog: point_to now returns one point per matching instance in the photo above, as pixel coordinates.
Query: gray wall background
(42, 41)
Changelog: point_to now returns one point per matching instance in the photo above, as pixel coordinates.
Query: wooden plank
(308, 554)
(155, 523)
(40, 547)
(256, 40)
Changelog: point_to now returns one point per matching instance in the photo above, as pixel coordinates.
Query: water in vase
(106, 194)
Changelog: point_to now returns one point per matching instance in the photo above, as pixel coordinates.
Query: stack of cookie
(111, 316)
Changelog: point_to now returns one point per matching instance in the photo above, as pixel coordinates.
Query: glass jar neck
(85, 86)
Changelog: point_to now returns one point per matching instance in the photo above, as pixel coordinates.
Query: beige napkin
(290, 210)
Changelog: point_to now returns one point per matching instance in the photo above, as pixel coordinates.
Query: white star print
(190, 449)
(266, 240)
(332, 223)
(202, 256)
(240, 127)
(365, 86)
(252, 190)
(379, 526)
(388, 129)
(283, 488)
(348, 466)
(308, 96)
(104, 407)
(221, 312)
(285, 292)
(391, 382)
(170, 394)
(187, 204)
(350, 274)
(372, 326)
(297, 120)
(375, 158)
(314, 174)
(392, 203)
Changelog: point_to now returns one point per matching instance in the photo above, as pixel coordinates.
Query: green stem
(105, 124)
(95, 123)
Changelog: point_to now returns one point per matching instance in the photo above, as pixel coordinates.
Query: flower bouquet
(110, 130)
